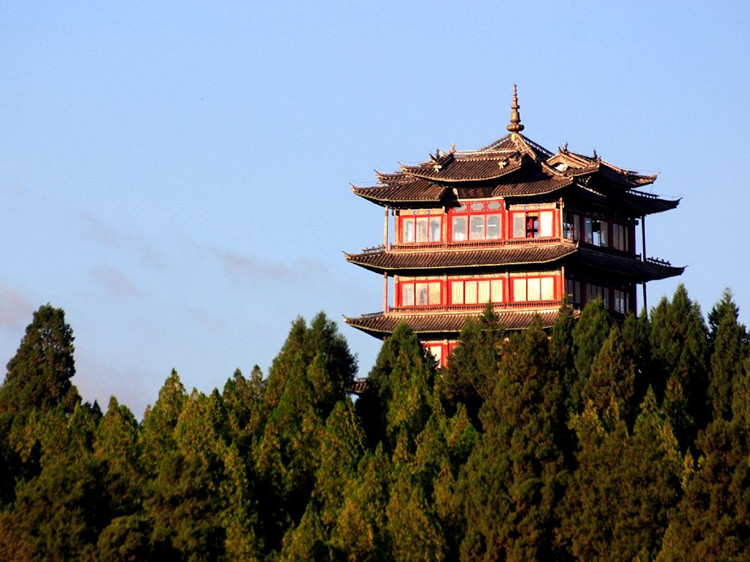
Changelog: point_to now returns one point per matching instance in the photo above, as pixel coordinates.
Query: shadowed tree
(589, 335)
(472, 367)
(728, 347)
(513, 480)
(679, 342)
(624, 487)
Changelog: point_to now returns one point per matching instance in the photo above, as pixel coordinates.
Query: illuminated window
(457, 292)
(533, 289)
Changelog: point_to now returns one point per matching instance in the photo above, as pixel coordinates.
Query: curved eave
(401, 195)
(627, 269)
(401, 261)
(643, 204)
(382, 325)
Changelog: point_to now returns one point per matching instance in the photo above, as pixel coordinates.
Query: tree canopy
(596, 439)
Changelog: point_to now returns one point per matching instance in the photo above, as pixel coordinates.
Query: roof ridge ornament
(515, 126)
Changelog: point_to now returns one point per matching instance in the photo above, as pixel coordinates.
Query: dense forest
(592, 440)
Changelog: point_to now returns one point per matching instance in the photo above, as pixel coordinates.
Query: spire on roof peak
(515, 117)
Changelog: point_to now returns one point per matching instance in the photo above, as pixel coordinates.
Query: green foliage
(39, 374)
(589, 335)
(679, 353)
(472, 368)
(558, 444)
(624, 486)
(728, 346)
(514, 478)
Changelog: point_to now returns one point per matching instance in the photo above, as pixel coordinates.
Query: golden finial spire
(515, 117)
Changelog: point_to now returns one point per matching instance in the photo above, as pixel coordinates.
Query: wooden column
(385, 229)
(643, 258)
(385, 293)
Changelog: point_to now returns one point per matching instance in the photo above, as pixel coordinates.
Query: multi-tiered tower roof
(510, 224)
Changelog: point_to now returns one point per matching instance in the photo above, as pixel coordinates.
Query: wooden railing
(472, 307)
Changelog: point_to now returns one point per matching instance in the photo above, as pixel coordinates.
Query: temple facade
(511, 224)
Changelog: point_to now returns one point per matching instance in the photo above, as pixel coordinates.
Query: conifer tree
(399, 391)
(513, 480)
(117, 446)
(679, 341)
(712, 521)
(613, 373)
(159, 422)
(472, 367)
(589, 335)
(307, 378)
(624, 487)
(58, 513)
(728, 346)
(39, 373)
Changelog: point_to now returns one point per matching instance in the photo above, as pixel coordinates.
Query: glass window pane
(545, 224)
(457, 292)
(407, 294)
(534, 290)
(437, 352)
(471, 292)
(519, 290)
(435, 229)
(422, 294)
(548, 288)
(588, 226)
(493, 227)
(477, 228)
(459, 229)
(484, 291)
(519, 225)
(408, 226)
(422, 229)
(434, 293)
(496, 289)
(604, 228)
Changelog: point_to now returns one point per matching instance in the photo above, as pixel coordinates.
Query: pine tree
(39, 374)
(589, 335)
(624, 487)
(472, 367)
(728, 347)
(308, 377)
(679, 341)
(399, 391)
(613, 373)
(713, 518)
(513, 480)
(117, 446)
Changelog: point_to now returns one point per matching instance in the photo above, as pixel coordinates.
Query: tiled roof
(628, 269)
(415, 190)
(467, 167)
(381, 325)
(512, 166)
(461, 258)
(644, 204)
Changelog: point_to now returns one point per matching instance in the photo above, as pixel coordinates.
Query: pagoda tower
(510, 224)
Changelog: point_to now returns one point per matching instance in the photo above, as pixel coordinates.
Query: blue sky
(175, 175)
